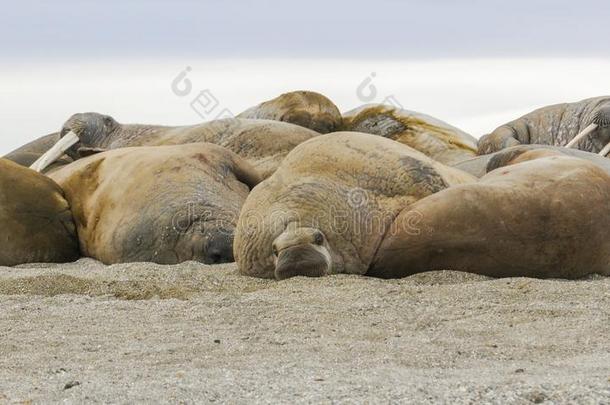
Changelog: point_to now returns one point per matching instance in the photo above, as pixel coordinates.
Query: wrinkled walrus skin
(547, 217)
(481, 165)
(304, 108)
(166, 204)
(329, 204)
(554, 125)
(263, 143)
(36, 223)
(433, 137)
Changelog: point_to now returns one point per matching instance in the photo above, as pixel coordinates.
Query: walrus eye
(318, 238)
(275, 252)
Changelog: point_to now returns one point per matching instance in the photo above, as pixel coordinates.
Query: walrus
(433, 137)
(544, 217)
(304, 108)
(329, 204)
(481, 165)
(35, 219)
(584, 125)
(164, 204)
(263, 143)
(29, 153)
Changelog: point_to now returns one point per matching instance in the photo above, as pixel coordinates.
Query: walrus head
(598, 130)
(93, 130)
(301, 251)
(323, 123)
(82, 135)
(310, 110)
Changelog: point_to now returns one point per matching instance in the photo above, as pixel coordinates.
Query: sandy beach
(195, 333)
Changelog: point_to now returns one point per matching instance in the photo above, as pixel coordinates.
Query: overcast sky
(473, 63)
(307, 28)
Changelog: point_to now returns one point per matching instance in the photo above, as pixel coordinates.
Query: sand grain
(195, 333)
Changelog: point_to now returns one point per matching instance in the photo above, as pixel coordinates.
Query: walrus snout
(90, 129)
(598, 131)
(219, 249)
(602, 117)
(602, 120)
(72, 151)
(301, 260)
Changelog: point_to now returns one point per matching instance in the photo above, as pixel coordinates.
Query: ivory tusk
(582, 134)
(55, 152)
(605, 151)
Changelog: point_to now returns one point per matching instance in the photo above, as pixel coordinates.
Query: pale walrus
(584, 125)
(329, 204)
(304, 108)
(433, 137)
(29, 153)
(548, 217)
(481, 165)
(263, 143)
(166, 204)
(35, 219)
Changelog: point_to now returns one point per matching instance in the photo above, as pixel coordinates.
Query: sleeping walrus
(584, 125)
(381, 210)
(36, 224)
(330, 203)
(433, 137)
(545, 217)
(304, 108)
(263, 143)
(165, 204)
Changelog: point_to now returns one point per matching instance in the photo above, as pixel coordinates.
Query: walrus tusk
(605, 151)
(55, 152)
(582, 134)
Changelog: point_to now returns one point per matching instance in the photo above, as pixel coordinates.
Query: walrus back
(542, 218)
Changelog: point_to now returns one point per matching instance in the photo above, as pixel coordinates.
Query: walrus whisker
(605, 151)
(585, 132)
(55, 152)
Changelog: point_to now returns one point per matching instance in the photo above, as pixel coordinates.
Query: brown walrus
(263, 143)
(433, 137)
(584, 124)
(547, 217)
(165, 204)
(481, 165)
(330, 203)
(304, 108)
(36, 224)
(29, 153)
